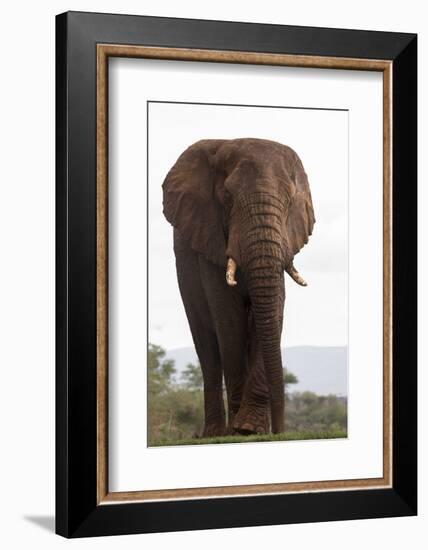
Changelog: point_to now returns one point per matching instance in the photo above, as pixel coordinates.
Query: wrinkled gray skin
(246, 201)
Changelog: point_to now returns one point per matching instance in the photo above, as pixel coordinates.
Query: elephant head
(245, 204)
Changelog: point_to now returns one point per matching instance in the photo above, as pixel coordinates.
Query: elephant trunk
(263, 261)
(266, 316)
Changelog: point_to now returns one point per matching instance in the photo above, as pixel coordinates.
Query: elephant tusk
(230, 272)
(295, 275)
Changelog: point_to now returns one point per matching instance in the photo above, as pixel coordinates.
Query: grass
(287, 436)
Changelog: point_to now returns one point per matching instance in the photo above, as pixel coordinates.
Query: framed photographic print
(236, 274)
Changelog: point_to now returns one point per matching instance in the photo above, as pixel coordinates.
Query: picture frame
(84, 44)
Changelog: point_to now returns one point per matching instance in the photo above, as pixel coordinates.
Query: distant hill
(322, 370)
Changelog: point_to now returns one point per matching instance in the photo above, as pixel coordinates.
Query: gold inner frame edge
(104, 51)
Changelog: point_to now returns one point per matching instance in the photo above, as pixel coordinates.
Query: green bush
(309, 411)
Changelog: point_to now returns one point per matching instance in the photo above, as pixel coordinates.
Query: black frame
(77, 513)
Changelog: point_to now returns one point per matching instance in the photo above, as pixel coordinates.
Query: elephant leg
(204, 336)
(229, 313)
(254, 413)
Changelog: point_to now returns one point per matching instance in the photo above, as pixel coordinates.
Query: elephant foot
(250, 422)
(214, 430)
(231, 421)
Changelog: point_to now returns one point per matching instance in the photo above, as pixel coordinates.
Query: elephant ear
(190, 203)
(301, 218)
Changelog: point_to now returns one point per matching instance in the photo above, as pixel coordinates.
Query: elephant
(241, 210)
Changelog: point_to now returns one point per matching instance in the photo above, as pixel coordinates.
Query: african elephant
(240, 208)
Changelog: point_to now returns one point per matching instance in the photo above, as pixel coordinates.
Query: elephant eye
(228, 201)
(227, 208)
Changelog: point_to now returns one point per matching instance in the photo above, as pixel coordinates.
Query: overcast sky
(314, 315)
